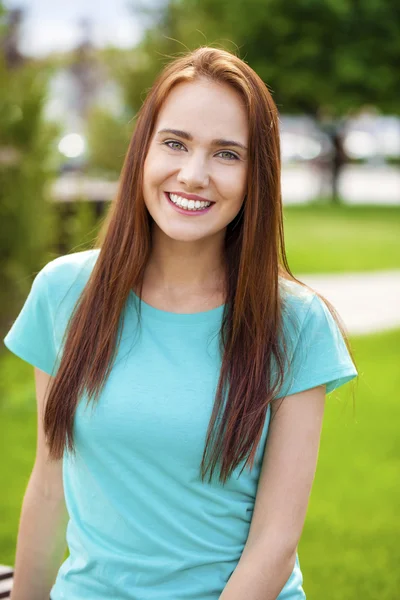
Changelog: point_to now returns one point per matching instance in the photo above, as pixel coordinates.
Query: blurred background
(73, 76)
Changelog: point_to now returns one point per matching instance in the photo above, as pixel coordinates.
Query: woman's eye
(174, 145)
(228, 155)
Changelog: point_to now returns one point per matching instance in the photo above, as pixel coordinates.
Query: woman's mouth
(188, 207)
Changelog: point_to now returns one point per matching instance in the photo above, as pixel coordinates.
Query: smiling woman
(205, 361)
(199, 159)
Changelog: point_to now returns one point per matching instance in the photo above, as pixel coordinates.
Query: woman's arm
(283, 492)
(41, 540)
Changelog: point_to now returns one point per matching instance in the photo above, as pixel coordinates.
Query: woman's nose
(194, 172)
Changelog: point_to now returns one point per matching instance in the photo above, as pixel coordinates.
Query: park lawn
(349, 547)
(324, 238)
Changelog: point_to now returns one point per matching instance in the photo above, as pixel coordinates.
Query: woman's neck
(185, 277)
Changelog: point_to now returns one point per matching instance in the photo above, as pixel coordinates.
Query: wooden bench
(6, 581)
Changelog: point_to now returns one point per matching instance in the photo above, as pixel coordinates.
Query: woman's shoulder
(68, 266)
(65, 277)
(318, 351)
(296, 298)
(305, 311)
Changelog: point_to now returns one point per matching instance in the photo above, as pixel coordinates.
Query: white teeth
(188, 204)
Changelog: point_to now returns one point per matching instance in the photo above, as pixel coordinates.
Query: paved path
(367, 302)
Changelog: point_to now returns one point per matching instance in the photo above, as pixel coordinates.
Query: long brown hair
(252, 324)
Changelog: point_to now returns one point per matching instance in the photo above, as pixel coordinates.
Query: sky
(54, 24)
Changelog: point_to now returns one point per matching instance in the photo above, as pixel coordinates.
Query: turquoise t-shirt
(142, 523)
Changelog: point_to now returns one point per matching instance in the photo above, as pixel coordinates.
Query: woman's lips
(189, 213)
(190, 196)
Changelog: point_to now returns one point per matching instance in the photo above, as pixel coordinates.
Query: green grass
(323, 238)
(17, 445)
(349, 548)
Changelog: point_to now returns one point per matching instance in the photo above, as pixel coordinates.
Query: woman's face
(198, 153)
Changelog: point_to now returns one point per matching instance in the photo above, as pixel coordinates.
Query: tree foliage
(324, 58)
(26, 231)
(311, 53)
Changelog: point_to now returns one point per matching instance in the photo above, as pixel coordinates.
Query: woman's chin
(180, 234)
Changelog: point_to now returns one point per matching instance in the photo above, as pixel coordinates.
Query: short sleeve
(31, 336)
(321, 355)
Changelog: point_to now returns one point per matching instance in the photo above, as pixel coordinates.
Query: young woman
(181, 369)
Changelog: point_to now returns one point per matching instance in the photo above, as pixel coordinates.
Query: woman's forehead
(205, 108)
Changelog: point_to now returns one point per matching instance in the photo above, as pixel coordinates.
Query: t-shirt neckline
(151, 312)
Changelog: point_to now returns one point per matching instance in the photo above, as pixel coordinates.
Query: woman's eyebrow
(228, 143)
(178, 132)
(187, 136)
